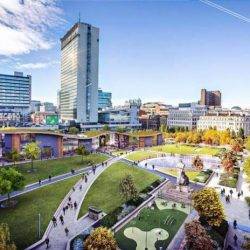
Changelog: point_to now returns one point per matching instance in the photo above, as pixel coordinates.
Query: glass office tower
(79, 74)
(15, 96)
(104, 99)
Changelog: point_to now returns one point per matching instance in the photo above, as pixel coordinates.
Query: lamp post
(39, 225)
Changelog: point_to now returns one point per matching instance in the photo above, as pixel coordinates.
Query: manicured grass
(186, 149)
(247, 168)
(150, 219)
(23, 219)
(104, 193)
(57, 166)
(141, 155)
(192, 174)
(93, 133)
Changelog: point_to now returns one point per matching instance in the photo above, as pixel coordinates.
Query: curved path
(58, 238)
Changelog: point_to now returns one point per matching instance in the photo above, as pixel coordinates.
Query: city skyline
(128, 50)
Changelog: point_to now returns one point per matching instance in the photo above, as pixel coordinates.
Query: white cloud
(37, 65)
(25, 25)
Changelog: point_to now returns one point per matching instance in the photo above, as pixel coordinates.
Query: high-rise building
(15, 96)
(210, 98)
(104, 99)
(79, 74)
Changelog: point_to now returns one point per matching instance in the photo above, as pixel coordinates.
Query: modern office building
(79, 74)
(104, 99)
(35, 106)
(15, 97)
(234, 121)
(185, 117)
(127, 115)
(210, 98)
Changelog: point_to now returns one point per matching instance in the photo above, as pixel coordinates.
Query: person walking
(69, 198)
(54, 221)
(241, 192)
(66, 231)
(47, 242)
(40, 182)
(75, 205)
(64, 209)
(49, 177)
(231, 192)
(235, 240)
(239, 195)
(61, 219)
(235, 224)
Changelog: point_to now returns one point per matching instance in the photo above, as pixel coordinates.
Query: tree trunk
(32, 167)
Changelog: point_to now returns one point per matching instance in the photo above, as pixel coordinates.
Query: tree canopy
(32, 151)
(5, 241)
(127, 188)
(100, 238)
(207, 203)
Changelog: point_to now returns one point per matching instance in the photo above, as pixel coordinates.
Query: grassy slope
(23, 219)
(104, 193)
(56, 166)
(141, 155)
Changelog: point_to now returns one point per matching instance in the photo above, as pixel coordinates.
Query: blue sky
(155, 50)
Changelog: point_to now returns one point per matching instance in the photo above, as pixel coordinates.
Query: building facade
(185, 117)
(210, 98)
(79, 74)
(223, 121)
(155, 108)
(15, 97)
(104, 99)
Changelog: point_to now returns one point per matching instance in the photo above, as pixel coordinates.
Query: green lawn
(57, 166)
(104, 193)
(186, 149)
(141, 155)
(150, 219)
(192, 174)
(23, 219)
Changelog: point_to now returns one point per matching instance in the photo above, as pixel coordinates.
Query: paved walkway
(56, 235)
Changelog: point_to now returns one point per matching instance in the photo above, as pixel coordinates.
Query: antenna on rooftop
(79, 17)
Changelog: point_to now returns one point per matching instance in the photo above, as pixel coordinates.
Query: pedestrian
(75, 205)
(64, 209)
(235, 240)
(73, 188)
(221, 192)
(80, 188)
(249, 214)
(69, 198)
(54, 221)
(231, 192)
(239, 195)
(241, 192)
(40, 182)
(235, 224)
(61, 219)
(47, 242)
(86, 179)
(71, 205)
(66, 231)
(49, 177)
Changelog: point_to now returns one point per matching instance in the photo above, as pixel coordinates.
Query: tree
(32, 151)
(120, 129)
(15, 156)
(5, 242)
(241, 133)
(127, 188)
(73, 130)
(207, 203)
(10, 180)
(81, 150)
(229, 159)
(237, 145)
(106, 127)
(197, 237)
(198, 163)
(100, 238)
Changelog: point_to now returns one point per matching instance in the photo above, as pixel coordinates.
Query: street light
(39, 225)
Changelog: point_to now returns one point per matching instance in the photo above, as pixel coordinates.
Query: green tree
(120, 129)
(81, 150)
(73, 130)
(127, 188)
(15, 156)
(197, 237)
(241, 133)
(207, 203)
(106, 127)
(101, 238)
(5, 241)
(32, 152)
(10, 180)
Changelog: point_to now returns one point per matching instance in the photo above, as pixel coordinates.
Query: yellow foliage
(5, 243)
(207, 203)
